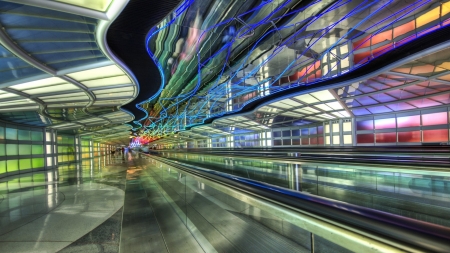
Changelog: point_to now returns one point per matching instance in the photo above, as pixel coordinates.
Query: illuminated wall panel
(431, 119)
(437, 135)
(410, 136)
(408, 121)
(386, 137)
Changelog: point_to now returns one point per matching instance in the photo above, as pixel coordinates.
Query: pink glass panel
(364, 138)
(434, 119)
(385, 123)
(408, 121)
(411, 136)
(364, 125)
(386, 137)
(435, 135)
(313, 141)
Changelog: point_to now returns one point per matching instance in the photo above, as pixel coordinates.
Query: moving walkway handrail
(427, 236)
(357, 157)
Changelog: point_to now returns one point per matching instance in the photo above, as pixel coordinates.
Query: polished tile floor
(75, 208)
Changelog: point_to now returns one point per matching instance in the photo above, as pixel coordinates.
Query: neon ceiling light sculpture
(222, 82)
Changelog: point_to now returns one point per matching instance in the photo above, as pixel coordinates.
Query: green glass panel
(2, 149)
(12, 165)
(38, 162)
(25, 164)
(37, 149)
(11, 134)
(37, 136)
(13, 184)
(24, 149)
(2, 167)
(39, 177)
(2, 133)
(11, 149)
(24, 135)
(26, 179)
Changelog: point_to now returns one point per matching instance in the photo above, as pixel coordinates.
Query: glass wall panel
(305, 141)
(364, 138)
(24, 135)
(38, 162)
(2, 133)
(296, 132)
(12, 165)
(2, 167)
(439, 118)
(408, 121)
(385, 123)
(436, 135)
(364, 125)
(25, 164)
(410, 136)
(11, 133)
(320, 130)
(2, 149)
(24, 149)
(37, 136)
(11, 149)
(386, 137)
(37, 149)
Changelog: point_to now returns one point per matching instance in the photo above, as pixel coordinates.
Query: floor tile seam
(37, 217)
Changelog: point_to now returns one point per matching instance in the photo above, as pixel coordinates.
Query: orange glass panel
(362, 43)
(446, 78)
(428, 17)
(383, 36)
(412, 136)
(405, 28)
(422, 69)
(435, 135)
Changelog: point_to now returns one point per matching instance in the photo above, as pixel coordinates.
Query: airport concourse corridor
(134, 203)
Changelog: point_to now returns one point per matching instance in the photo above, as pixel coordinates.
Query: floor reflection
(48, 211)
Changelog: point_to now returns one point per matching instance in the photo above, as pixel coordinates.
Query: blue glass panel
(56, 46)
(64, 65)
(8, 75)
(19, 35)
(69, 56)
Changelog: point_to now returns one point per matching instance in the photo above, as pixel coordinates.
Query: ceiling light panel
(116, 94)
(107, 81)
(113, 90)
(52, 89)
(323, 95)
(97, 73)
(38, 83)
(307, 99)
(98, 5)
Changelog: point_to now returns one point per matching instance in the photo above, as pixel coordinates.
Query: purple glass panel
(320, 130)
(313, 130)
(364, 125)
